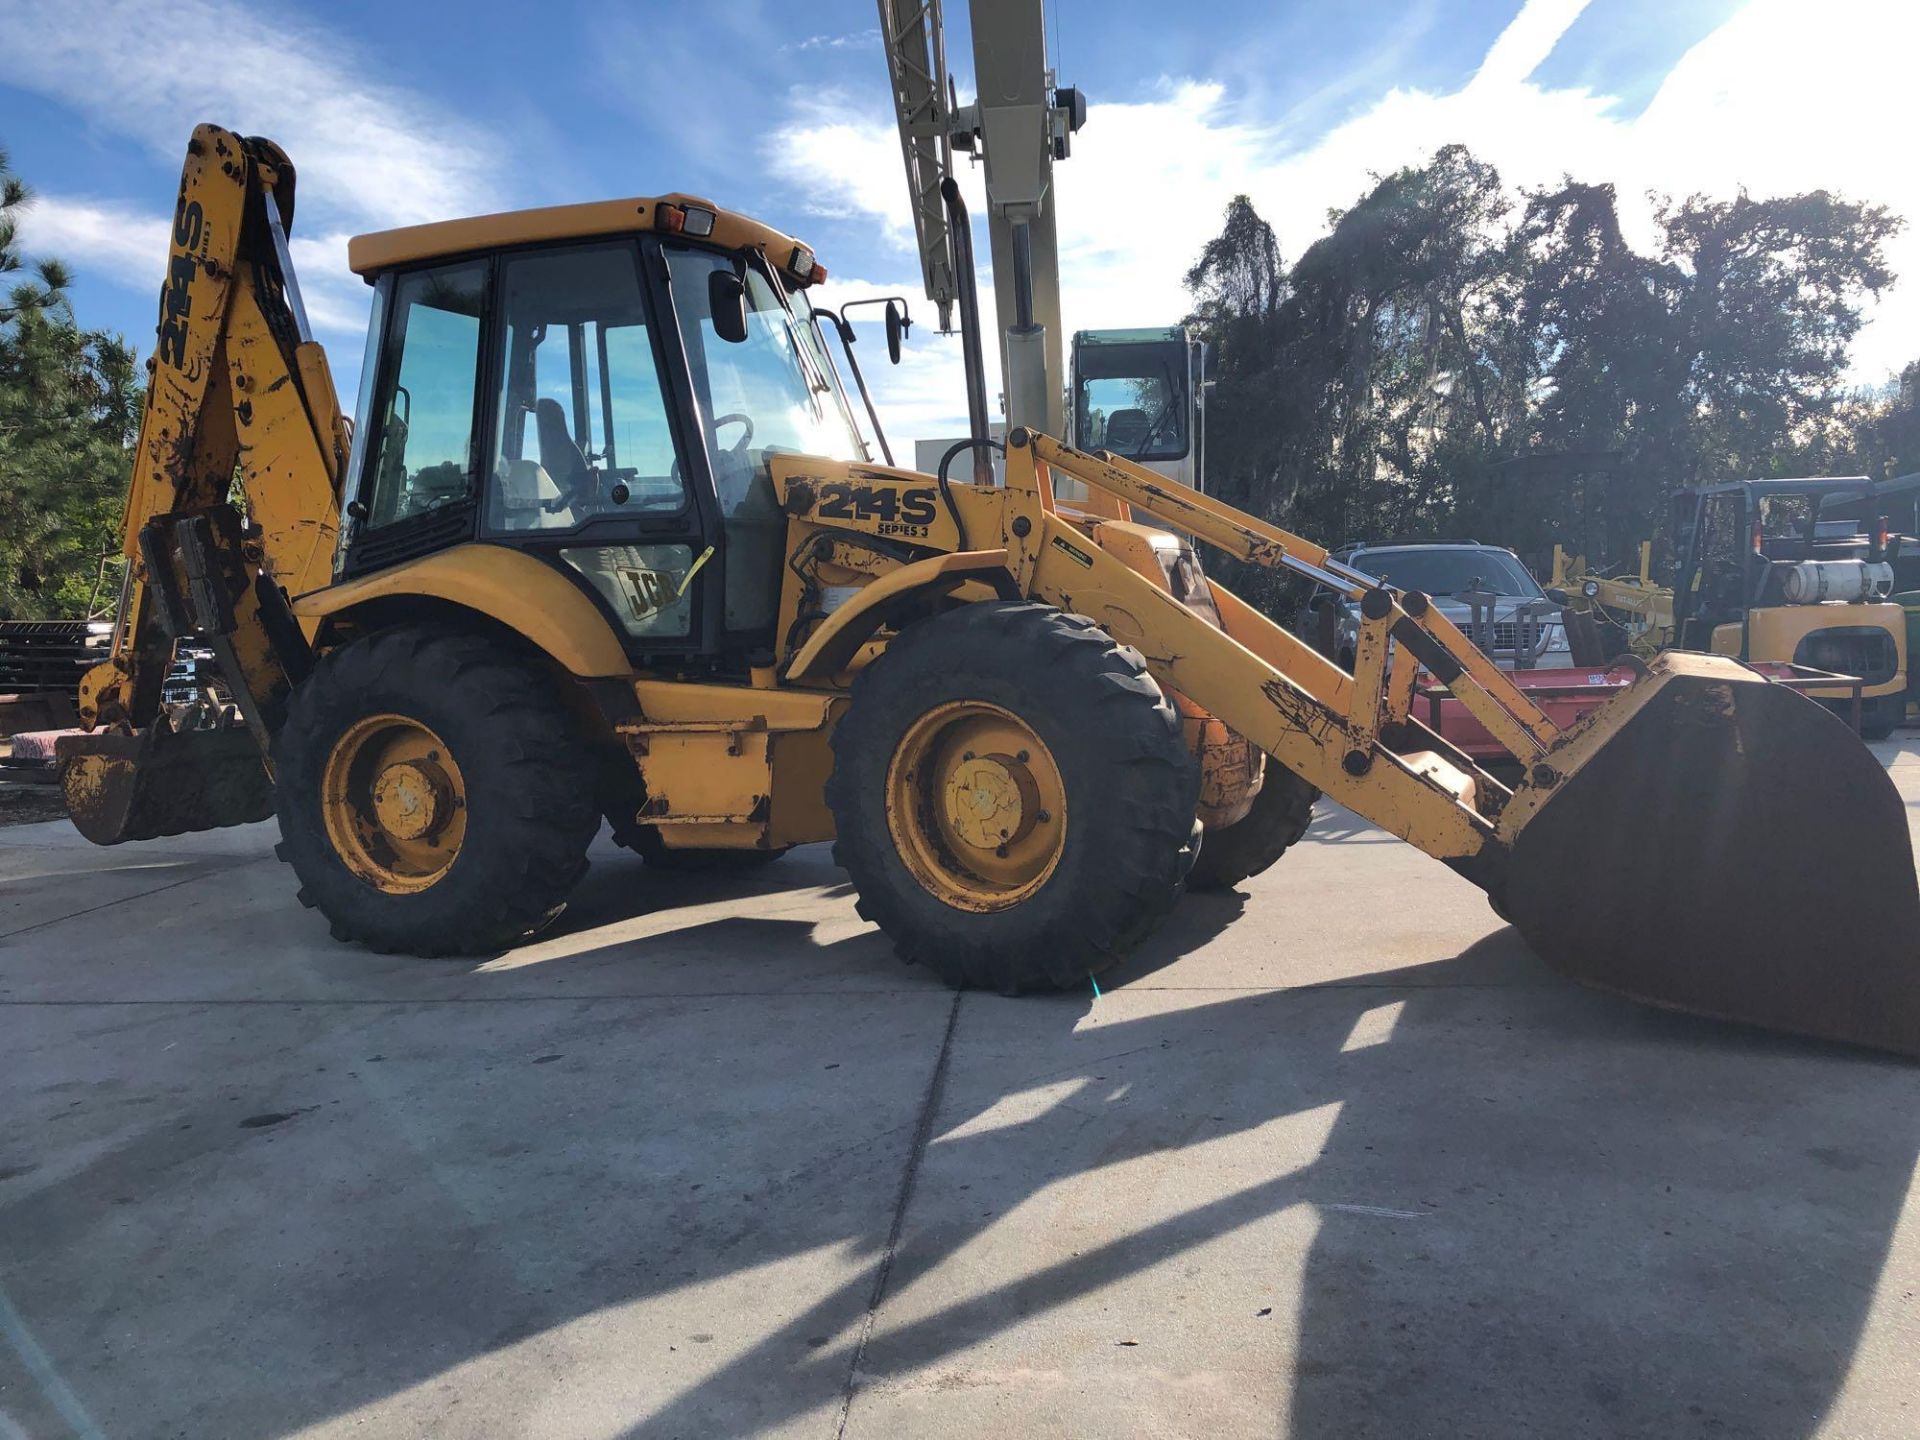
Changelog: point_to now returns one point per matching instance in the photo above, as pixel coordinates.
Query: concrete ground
(1333, 1158)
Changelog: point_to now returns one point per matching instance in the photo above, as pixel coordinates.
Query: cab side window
(425, 403)
(583, 429)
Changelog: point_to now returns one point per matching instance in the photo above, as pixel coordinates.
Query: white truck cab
(1142, 394)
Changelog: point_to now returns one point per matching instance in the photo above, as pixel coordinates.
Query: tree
(1446, 360)
(1238, 284)
(1881, 432)
(69, 411)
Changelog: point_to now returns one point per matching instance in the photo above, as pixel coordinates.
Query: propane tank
(1811, 581)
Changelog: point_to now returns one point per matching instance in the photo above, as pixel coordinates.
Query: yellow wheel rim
(394, 803)
(976, 806)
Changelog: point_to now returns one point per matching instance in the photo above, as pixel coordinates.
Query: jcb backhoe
(606, 543)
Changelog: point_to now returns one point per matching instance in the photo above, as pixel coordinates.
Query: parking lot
(1334, 1157)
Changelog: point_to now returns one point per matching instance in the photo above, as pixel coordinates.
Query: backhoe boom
(233, 506)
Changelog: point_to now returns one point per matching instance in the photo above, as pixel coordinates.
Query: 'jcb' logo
(176, 296)
(648, 591)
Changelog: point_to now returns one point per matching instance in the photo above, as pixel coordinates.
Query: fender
(832, 647)
(507, 586)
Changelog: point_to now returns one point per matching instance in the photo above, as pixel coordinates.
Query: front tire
(433, 796)
(1011, 795)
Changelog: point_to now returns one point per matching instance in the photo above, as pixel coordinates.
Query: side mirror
(727, 303)
(897, 327)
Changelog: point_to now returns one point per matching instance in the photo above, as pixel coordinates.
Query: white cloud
(1527, 42)
(116, 238)
(924, 396)
(369, 154)
(843, 165)
(367, 151)
(131, 244)
(1768, 101)
(849, 40)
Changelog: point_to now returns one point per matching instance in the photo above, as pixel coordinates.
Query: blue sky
(398, 112)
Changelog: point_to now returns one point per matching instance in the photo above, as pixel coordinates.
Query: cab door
(767, 392)
(587, 451)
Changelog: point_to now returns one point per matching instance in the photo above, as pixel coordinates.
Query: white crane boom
(1018, 125)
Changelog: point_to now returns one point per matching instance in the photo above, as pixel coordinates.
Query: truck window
(425, 405)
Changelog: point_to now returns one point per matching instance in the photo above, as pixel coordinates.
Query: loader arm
(1352, 736)
(240, 408)
(1659, 847)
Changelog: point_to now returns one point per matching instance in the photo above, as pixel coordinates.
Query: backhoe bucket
(162, 782)
(1725, 846)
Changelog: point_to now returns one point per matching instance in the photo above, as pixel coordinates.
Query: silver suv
(1483, 589)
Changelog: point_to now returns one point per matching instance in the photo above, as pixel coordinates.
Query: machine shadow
(620, 885)
(1542, 1211)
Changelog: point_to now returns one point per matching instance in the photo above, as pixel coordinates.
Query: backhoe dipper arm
(240, 399)
(234, 506)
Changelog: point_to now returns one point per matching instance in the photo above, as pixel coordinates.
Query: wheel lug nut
(1001, 851)
(1021, 757)
(967, 756)
(1044, 816)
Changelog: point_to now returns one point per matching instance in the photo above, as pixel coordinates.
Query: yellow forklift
(1764, 574)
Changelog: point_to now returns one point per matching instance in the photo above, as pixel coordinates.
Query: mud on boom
(613, 547)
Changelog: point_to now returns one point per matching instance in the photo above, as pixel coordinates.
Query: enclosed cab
(556, 383)
(1141, 394)
(1765, 573)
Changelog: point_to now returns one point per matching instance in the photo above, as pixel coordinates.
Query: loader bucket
(1731, 849)
(162, 782)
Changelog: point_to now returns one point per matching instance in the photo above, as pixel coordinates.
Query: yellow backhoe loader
(606, 543)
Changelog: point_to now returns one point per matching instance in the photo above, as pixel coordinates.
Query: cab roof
(1130, 337)
(369, 255)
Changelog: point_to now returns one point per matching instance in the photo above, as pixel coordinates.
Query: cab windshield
(1132, 400)
(774, 391)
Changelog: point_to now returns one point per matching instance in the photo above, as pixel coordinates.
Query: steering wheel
(736, 418)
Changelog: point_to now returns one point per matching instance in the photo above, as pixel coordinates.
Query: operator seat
(559, 456)
(1127, 430)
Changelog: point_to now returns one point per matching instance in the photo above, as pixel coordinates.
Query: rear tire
(1280, 815)
(523, 793)
(1879, 717)
(1100, 874)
